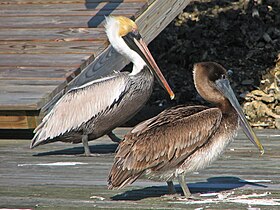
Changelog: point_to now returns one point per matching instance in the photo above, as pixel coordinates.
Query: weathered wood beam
(19, 119)
(20, 2)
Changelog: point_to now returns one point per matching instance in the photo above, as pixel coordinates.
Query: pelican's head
(117, 28)
(213, 85)
(126, 25)
(125, 38)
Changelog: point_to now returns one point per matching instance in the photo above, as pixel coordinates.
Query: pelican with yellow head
(94, 109)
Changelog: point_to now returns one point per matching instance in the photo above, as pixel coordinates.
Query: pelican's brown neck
(204, 77)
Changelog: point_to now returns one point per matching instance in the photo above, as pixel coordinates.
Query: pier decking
(49, 46)
(54, 177)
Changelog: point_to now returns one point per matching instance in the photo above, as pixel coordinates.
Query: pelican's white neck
(112, 29)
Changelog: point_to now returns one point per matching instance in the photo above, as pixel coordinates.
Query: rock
(247, 82)
(258, 93)
(277, 96)
(249, 110)
(255, 13)
(266, 37)
(277, 110)
(225, 32)
(267, 98)
(277, 123)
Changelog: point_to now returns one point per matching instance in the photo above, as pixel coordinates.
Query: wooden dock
(54, 177)
(49, 46)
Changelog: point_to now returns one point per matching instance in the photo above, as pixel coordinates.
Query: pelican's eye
(135, 31)
(134, 34)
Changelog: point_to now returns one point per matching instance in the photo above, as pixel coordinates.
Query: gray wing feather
(80, 105)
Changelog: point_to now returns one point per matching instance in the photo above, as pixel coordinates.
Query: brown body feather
(153, 145)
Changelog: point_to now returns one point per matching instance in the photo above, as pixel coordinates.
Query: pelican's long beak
(139, 46)
(224, 86)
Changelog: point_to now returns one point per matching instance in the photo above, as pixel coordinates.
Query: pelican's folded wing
(163, 142)
(80, 105)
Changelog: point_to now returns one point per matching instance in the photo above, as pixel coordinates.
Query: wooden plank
(35, 73)
(18, 120)
(44, 60)
(52, 13)
(53, 34)
(57, 21)
(14, 94)
(28, 104)
(158, 16)
(100, 67)
(18, 2)
(71, 9)
(25, 82)
(20, 101)
(15, 8)
(48, 47)
(25, 100)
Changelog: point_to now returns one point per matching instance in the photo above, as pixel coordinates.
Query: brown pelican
(96, 108)
(182, 139)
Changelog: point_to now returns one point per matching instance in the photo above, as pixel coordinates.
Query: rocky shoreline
(243, 36)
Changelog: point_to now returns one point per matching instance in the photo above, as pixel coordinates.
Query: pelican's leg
(86, 147)
(113, 137)
(171, 188)
(183, 184)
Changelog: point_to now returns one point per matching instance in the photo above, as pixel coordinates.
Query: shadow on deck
(212, 185)
(97, 149)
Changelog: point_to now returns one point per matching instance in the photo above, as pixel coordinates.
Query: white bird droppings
(53, 164)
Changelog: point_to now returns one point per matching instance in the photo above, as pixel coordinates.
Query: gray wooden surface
(62, 44)
(54, 176)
